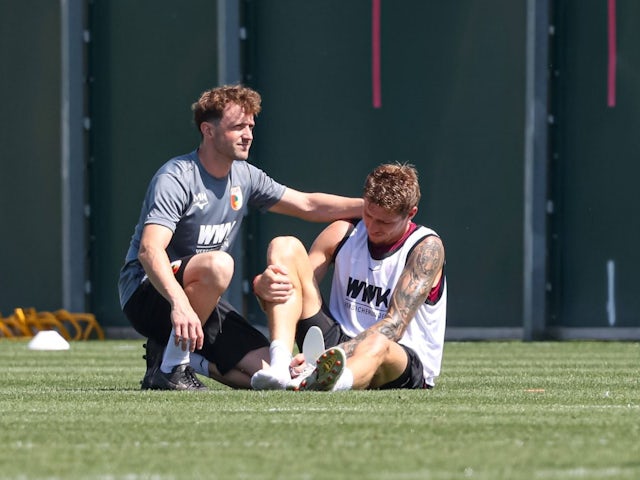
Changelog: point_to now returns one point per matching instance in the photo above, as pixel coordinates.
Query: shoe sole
(329, 367)
(172, 387)
(313, 344)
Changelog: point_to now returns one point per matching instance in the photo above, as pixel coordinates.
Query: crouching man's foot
(329, 367)
(153, 356)
(182, 377)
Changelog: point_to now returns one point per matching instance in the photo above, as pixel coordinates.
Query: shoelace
(306, 371)
(191, 376)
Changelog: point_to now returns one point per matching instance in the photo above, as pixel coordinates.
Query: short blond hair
(393, 187)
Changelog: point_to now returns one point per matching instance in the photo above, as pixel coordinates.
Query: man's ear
(412, 212)
(206, 129)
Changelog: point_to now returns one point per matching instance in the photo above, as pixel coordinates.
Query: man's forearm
(328, 207)
(157, 266)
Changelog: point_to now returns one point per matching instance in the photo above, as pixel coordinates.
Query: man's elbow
(145, 253)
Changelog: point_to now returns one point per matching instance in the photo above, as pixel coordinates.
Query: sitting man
(387, 310)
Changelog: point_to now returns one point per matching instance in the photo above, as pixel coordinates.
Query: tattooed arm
(421, 273)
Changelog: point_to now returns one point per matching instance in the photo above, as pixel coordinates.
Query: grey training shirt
(204, 212)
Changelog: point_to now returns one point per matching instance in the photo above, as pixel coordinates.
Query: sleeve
(166, 200)
(265, 191)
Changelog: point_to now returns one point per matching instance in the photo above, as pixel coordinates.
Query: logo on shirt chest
(200, 200)
(214, 237)
(368, 293)
(236, 198)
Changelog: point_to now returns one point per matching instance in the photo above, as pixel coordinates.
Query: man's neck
(215, 165)
(380, 251)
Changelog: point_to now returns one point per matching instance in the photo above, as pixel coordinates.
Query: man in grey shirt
(177, 266)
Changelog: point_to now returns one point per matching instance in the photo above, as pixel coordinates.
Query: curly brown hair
(211, 104)
(393, 187)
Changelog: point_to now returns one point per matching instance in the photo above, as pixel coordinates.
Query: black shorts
(228, 337)
(412, 377)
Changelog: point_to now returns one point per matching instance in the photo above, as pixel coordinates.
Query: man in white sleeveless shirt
(387, 310)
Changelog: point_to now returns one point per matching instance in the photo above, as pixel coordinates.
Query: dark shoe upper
(182, 377)
(154, 351)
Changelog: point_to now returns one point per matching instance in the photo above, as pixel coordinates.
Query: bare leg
(288, 257)
(289, 252)
(374, 361)
(240, 375)
(206, 278)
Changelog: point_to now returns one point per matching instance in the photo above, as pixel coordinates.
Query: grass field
(501, 410)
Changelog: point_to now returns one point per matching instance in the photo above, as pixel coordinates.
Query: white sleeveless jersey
(361, 293)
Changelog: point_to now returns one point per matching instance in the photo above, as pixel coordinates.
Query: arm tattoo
(413, 287)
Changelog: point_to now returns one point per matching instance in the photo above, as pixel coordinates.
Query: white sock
(173, 354)
(345, 382)
(199, 364)
(280, 355)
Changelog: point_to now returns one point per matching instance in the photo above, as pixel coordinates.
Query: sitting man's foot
(153, 355)
(300, 374)
(182, 377)
(269, 378)
(329, 367)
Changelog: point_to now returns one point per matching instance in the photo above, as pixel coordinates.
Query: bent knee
(219, 260)
(283, 247)
(377, 345)
(213, 266)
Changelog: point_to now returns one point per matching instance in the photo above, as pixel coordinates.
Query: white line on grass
(584, 472)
